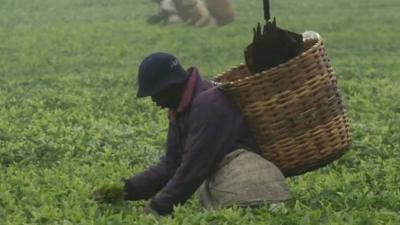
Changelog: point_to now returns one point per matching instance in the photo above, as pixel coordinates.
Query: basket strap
(214, 83)
(217, 85)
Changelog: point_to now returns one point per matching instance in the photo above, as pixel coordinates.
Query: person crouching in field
(194, 12)
(209, 148)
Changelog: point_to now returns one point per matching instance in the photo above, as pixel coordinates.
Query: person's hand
(149, 211)
(109, 193)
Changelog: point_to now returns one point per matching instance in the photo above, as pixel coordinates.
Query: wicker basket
(294, 110)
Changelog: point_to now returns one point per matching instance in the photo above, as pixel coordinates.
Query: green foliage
(70, 122)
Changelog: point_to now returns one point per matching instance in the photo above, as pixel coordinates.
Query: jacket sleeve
(146, 184)
(211, 132)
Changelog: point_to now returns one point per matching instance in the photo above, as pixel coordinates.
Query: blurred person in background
(209, 148)
(167, 13)
(194, 12)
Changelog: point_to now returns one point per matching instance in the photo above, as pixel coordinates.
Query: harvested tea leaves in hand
(109, 193)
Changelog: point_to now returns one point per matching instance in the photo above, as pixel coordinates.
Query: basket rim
(317, 43)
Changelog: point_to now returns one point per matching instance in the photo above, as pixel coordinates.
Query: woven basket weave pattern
(294, 110)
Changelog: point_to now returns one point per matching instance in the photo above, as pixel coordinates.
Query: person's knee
(193, 12)
(221, 10)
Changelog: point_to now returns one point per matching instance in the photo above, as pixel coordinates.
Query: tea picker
(233, 140)
(209, 147)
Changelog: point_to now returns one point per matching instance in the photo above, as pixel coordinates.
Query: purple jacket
(205, 127)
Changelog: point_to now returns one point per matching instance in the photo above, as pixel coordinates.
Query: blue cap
(157, 72)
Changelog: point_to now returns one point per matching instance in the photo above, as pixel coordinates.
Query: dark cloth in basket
(205, 127)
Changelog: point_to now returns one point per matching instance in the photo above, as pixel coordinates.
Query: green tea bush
(70, 122)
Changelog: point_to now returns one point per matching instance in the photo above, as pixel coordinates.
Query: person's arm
(146, 184)
(211, 131)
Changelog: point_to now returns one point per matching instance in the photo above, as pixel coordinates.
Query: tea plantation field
(69, 119)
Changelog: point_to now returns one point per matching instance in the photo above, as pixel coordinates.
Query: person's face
(169, 97)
